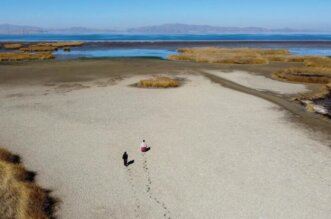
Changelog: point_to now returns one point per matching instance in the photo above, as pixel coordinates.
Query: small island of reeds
(159, 82)
(34, 51)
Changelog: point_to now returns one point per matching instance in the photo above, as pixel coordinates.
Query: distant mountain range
(158, 29)
(18, 29)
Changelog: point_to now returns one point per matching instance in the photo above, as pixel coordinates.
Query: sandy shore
(216, 152)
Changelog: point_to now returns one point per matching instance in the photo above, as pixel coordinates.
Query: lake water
(100, 53)
(163, 45)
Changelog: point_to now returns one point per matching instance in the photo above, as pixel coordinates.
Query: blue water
(159, 53)
(161, 45)
(311, 51)
(166, 37)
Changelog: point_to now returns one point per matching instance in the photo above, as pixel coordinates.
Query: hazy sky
(312, 14)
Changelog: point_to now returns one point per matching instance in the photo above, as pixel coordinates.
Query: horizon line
(165, 24)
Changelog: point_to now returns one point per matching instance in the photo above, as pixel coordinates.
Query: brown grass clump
(36, 51)
(305, 75)
(234, 55)
(285, 58)
(315, 70)
(50, 47)
(318, 61)
(20, 197)
(160, 82)
(216, 50)
(36, 48)
(8, 157)
(23, 56)
(12, 46)
(61, 44)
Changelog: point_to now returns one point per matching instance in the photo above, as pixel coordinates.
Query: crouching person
(144, 147)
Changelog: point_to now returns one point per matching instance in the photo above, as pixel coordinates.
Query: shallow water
(161, 53)
(163, 45)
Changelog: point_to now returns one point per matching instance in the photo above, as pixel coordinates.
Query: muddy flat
(218, 150)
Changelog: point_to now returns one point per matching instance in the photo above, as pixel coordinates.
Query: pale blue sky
(120, 14)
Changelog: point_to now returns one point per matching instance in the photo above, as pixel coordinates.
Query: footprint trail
(148, 188)
(133, 188)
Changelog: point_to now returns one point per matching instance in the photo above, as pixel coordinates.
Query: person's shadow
(125, 160)
(130, 162)
(144, 150)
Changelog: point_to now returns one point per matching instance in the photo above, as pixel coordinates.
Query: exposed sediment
(199, 113)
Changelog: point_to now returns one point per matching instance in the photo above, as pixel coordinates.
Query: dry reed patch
(318, 61)
(61, 44)
(36, 48)
(315, 70)
(8, 157)
(12, 46)
(159, 82)
(23, 56)
(20, 197)
(37, 51)
(51, 46)
(305, 75)
(285, 58)
(234, 55)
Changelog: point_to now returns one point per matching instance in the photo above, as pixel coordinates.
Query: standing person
(125, 159)
(144, 147)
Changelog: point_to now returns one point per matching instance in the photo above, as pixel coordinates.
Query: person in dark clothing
(125, 159)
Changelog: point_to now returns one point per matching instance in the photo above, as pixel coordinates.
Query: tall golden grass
(159, 82)
(35, 51)
(50, 47)
(318, 61)
(315, 70)
(285, 58)
(23, 56)
(20, 197)
(234, 55)
(61, 44)
(12, 45)
(36, 48)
